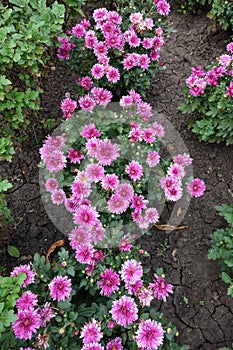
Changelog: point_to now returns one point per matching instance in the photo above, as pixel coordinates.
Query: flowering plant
(210, 95)
(120, 52)
(105, 302)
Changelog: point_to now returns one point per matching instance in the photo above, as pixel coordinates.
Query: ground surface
(199, 307)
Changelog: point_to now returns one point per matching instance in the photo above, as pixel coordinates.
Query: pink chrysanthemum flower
(158, 42)
(126, 191)
(158, 129)
(28, 322)
(90, 39)
(136, 134)
(134, 170)
(225, 60)
(115, 344)
(163, 7)
(131, 271)
(95, 172)
(129, 62)
(46, 314)
(169, 182)
(80, 189)
(144, 110)
(173, 193)
(26, 301)
(102, 96)
(147, 43)
(26, 348)
(71, 204)
(230, 47)
(58, 196)
(161, 288)
(91, 332)
(91, 146)
(183, 159)
(87, 103)
(55, 161)
(125, 245)
(135, 96)
(196, 187)
(90, 131)
(154, 55)
(113, 75)
(133, 288)
(100, 49)
(84, 253)
(144, 61)
(229, 89)
(151, 215)
(75, 155)
(97, 71)
(176, 171)
(78, 30)
(124, 311)
(153, 159)
(106, 152)
(148, 135)
(30, 275)
(110, 182)
(51, 184)
(126, 101)
(117, 204)
(92, 346)
(68, 106)
(109, 282)
(100, 14)
(79, 235)
(134, 40)
(145, 296)
(86, 215)
(139, 202)
(60, 288)
(85, 82)
(149, 335)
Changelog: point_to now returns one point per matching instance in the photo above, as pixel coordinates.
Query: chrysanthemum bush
(105, 302)
(118, 52)
(109, 175)
(209, 96)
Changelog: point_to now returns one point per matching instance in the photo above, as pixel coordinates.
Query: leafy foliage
(222, 246)
(222, 13)
(4, 210)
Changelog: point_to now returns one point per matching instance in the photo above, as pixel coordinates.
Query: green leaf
(13, 251)
(7, 317)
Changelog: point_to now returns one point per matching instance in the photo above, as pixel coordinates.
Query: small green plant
(209, 97)
(222, 13)
(4, 210)
(222, 246)
(9, 292)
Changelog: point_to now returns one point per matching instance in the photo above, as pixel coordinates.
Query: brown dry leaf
(179, 212)
(169, 227)
(54, 246)
(171, 147)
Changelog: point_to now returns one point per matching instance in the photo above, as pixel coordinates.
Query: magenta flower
(90, 39)
(87, 103)
(229, 89)
(153, 159)
(46, 314)
(144, 61)
(230, 47)
(134, 170)
(26, 301)
(106, 152)
(100, 14)
(133, 288)
(169, 182)
(80, 189)
(75, 155)
(110, 182)
(145, 296)
(124, 311)
(136, 134)
(55, 161)
(68, 106)
(85, 82)
(151, 215)
(149, 335)
(158, 129)
(60, 288)
(125, 245)
(148, 135)
(196, 187)
(100, 49)
(90, 131)
(95, 172)
(113, 75)
(79, 235)
(163, 7)
(183, 159)
(91, 332)
(134, 40)
(129, 62)
(176, 171)
(30, 275)
(144, 110)
(78, 30)
(84, 253)
(161, 288)
(28, 322)
(117, 204)
(58, 196)
(138, 202)
(173, 193)
(86, 215)
(102, 96)
(97, 71)
(51, 184)
(126, 191)
(131, 271)
(109, 282)
(115, 344)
